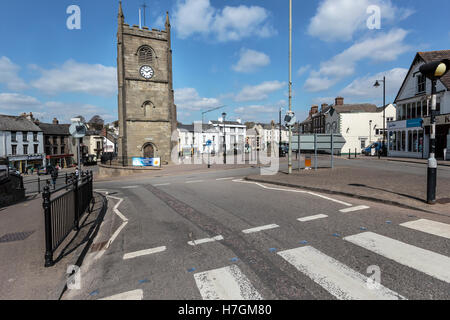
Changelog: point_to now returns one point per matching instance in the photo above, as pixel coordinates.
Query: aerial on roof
(14, 123)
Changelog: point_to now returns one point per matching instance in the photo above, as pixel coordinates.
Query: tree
(96, 122)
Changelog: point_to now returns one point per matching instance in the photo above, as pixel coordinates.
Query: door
(149, 151)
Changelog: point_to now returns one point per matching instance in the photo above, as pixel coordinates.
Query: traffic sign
(77, 130)
(208, 143)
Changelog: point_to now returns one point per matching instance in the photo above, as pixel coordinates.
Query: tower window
(145, 55)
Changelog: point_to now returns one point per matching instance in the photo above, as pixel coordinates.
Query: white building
(261, 135)
(360, 124)
(22, 142)
(192, 139)
(409, 136)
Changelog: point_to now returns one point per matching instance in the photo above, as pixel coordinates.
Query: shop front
(24, 163)
(62, 160)
(407, 139)
(442, 133)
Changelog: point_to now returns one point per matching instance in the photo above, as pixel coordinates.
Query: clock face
(146, 72)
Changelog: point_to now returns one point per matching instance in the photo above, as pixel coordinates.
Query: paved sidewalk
(401, 189)
(22, 272)
(407, 160)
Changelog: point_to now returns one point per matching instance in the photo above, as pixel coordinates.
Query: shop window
(420, 148)
(415, 141)
(403, 141)
(410, 141)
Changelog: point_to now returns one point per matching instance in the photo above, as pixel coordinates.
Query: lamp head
(377, 84)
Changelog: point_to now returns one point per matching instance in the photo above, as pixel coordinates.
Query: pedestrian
(54, 176)
(76, 173)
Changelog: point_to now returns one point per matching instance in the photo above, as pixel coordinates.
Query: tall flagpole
(290, 87)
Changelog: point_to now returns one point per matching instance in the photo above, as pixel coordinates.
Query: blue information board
(146, 162)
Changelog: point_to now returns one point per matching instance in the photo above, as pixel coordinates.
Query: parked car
(376, 147)
(14, 171)
(46, 170)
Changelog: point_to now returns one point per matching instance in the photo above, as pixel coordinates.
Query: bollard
(349, 153)
(48, 227)
(39, 184)
(355, 153)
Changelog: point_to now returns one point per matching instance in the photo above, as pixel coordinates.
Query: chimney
(55, 121)
(339, 101)
(314, 110)
(324, 106)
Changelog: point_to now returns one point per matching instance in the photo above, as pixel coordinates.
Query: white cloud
(189, 99)
(260, 112)
(363, 87)
(250, 60)
(259, 92)
(383, 47)
(303, 70)
(338, 20)
(15, 104)
(229, 24)
(94, 79)
(9, 75)
(13, 101)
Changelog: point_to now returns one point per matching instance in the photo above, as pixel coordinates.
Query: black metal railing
(63, 212)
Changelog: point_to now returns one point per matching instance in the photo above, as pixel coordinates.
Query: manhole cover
(18, 236)
(443, 201)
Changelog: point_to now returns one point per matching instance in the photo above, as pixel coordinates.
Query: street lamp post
(433, 71)
(290, 87)
(224, 139)
(279, 138)
(377, 84)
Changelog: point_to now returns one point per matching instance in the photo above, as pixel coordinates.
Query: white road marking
(194, 181)
(143, 252)
(257, 229)
(116, 233)
(341, 281)
(161, 184)
(129, 295)
(310, 218)
(296, 191)
(429, 262)
(230, 178)
(130, 187)
(227, 283)
(432, 227)
(206, 240)
(357, 208)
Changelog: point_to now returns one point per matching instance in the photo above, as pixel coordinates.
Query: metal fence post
(39, 184)
(48, 227)
(349, 153)
(332, 150)
(75, 190)
(355, 153)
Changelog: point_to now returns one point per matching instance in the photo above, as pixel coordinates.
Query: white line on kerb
(220, 179)
(161, 184)
(257, 229)
(426, 261)
(194, 181)
(206, 240)
(296, 191)
(432, 227)
(357, 208)
(227, 283)
(130, 187)
(129, 295)
(338, 279)
(143, 252)
(310, 218)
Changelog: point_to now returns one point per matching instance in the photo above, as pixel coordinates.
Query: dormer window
(145, 54)
(421, 83)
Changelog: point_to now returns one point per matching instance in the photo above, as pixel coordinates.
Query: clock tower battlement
(147, 113)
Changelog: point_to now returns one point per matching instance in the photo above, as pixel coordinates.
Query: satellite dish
(77, 130)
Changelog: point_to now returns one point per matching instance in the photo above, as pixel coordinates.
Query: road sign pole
(332, 150)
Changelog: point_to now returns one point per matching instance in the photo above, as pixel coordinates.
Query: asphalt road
(213, 236)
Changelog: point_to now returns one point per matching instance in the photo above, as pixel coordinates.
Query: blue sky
(225, 52)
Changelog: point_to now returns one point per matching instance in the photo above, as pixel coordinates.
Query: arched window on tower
(147, 106)
(145, 55)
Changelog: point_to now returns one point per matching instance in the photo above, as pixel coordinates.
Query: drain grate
(17, 236)
(443, 201)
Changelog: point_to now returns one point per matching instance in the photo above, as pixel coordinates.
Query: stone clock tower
(147, 113)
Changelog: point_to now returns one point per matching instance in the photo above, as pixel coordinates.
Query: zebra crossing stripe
(339, 280)
(428, 262)
(310, 218)
(432, 227)
(129, 295)
(227, 283)
(357, 208)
